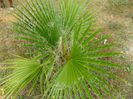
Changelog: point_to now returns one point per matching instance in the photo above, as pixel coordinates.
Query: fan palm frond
(25, 71)
(72, 62)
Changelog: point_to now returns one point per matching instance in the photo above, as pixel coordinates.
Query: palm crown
(68, 58)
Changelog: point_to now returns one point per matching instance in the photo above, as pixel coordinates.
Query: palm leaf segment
(73, 59)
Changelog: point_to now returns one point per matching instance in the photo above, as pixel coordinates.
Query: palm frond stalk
(69, 57)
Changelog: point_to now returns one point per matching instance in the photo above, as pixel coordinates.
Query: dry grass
(8, 43)
(116, 18)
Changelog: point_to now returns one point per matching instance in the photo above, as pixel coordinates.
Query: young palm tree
(69, 59)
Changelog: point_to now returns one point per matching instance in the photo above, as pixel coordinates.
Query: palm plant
(69, 59)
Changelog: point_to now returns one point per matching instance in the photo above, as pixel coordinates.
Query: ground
(114, 16)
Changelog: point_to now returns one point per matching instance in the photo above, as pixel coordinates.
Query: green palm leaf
(25, 71)
(71, 62)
